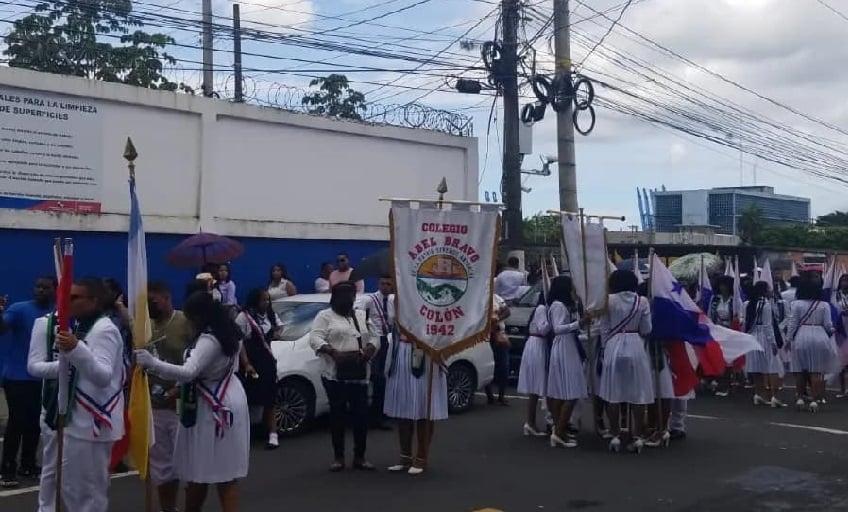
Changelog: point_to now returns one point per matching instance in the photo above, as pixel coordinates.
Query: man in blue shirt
(23, 392)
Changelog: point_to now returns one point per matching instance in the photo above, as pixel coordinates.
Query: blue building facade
(721, 208)
(28, 254)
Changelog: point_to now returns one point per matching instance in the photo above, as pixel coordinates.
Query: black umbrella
(374, 265)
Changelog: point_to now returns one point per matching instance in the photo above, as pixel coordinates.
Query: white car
(300, 395)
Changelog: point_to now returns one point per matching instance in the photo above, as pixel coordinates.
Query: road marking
(34, 488)
(701, 417)
(824, 430)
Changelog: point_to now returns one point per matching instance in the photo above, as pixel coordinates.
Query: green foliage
(335, 98)
(750, 226)
(74, 37)
(836, 218)
(542, 228)
(805, 237)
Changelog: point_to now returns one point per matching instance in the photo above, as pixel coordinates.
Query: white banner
(444, 265)
(595, 271)
(50, 152)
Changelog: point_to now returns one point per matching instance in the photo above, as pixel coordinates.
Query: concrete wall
(238, 169)
(293, 188)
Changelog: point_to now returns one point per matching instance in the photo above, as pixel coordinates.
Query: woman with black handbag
(342, 339)
(260, 325)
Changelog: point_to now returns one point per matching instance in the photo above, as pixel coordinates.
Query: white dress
(406, 394)
(627, 376)
(200, 454)
(278, 291)
(812, 348)
(768, 361)
(566, 375)
(533, 374)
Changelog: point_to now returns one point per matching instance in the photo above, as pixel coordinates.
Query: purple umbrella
(202, 248)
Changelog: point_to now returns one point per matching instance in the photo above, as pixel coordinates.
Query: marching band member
(533, 374)
(407, 383)
(626, 376)
(95, 418)
(566, 377)
(380, 310)
(171, 334)
(765, 368)
(213, 441)
(810, 328)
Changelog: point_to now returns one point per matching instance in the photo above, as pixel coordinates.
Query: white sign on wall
(50, 152)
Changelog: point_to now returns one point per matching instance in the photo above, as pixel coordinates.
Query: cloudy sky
(789, 51)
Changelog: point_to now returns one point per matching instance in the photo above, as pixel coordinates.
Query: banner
(50, 152)
(444, 261)
(589, 271)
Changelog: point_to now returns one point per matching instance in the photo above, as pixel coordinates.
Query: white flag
(444, 269)
(589, 270)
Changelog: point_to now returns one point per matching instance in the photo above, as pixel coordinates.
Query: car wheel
(462, 384)
(294, 407)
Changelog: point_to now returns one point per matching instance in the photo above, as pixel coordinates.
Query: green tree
(836, 218)
(74, 37)
(750, 225)
(335, 98)
(541, 228)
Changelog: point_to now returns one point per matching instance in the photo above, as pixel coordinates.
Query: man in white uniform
(95, 418)
(380, 310)
(509, 282)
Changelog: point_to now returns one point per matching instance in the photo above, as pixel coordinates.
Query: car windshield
(531, 296)
(297, 317)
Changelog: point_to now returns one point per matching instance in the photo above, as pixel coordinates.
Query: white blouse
(340, 333)
(278, 291)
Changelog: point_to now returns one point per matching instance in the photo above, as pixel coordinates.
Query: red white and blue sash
(620, 326)
(101, 413)
(384, 315)
(222, 414)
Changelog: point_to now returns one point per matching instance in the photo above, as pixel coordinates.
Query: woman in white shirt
(533, 373)
(259, 326)
(342, 339)
(279, 286)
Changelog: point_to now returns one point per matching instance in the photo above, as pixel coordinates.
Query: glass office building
(720, 208)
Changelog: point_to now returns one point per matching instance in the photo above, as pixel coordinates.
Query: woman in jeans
(341, 338)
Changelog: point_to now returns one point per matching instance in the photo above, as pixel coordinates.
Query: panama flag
(139, 410)
(677, 318)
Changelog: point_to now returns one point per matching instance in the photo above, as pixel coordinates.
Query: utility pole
(239, 96)
(565, 123)
(511, 179)
(208, 78)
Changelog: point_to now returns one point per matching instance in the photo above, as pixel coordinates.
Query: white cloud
(283, 16)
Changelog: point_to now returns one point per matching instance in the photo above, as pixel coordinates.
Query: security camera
(526, 190)
(549, 159)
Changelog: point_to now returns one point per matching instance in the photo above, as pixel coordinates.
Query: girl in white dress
(279, 286)
(721, 313)
(626, 375)
(408, 372)
(809, 331)
(765, 368)
(566, 377)
(212, 443)
(840, 300)
(533, 374)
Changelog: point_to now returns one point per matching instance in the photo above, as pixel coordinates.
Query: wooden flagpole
(659, 349)
(60, 418)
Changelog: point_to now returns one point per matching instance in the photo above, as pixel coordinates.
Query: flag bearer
(95, 418)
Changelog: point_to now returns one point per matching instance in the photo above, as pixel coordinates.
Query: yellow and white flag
(140, 411)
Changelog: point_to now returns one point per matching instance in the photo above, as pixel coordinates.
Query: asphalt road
(737, 458)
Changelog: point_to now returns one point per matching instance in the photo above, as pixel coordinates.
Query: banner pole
(586, 305)
(659, 350)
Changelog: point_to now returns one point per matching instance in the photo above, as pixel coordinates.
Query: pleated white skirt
(406, 395)
(767, 361)
(814, 351)
(533, 373)
(627, 376)
(566, 375)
